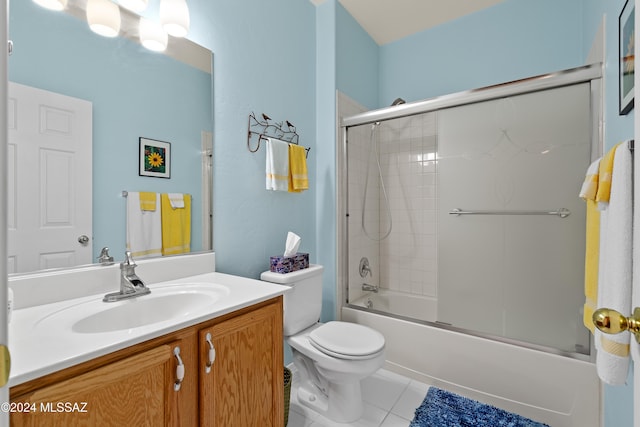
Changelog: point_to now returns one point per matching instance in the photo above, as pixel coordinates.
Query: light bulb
(174, 17)
(52, 4)
(152, 36)
(134, 5)
(103, 17)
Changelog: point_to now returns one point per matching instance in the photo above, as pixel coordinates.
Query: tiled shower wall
(405, 260)
(408, 148)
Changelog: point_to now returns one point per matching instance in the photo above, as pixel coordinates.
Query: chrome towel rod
(562, 212)
(125, 193)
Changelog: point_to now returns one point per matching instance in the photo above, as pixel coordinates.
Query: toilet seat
(345, 340)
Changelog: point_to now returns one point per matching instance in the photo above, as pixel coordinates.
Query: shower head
(398, 101)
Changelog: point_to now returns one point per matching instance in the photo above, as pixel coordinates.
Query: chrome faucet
(104, 258)
(130, 284)
(369, 288)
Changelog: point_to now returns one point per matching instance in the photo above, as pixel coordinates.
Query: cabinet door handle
(179, 370)
(212, 354)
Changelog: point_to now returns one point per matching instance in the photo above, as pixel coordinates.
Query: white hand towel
(635, 286)
(614, 291)
(144, 228)
(277, 167)
(176, 200)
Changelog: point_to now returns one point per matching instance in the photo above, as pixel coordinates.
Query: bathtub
(557, 390)
(400, 303)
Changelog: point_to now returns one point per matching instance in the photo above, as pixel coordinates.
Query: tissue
(292, 244)
(292, 260)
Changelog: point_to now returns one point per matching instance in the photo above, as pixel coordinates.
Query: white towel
(614, 290)
(144, 228)
(176, 200)
(635, 287)
(277, 168)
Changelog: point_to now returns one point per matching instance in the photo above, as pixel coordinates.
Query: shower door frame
(586, 74)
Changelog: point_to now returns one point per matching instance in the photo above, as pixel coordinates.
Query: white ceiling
(390, 20)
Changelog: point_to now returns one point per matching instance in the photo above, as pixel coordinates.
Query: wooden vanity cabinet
(242, 383)
(136, 386)
(137, 390)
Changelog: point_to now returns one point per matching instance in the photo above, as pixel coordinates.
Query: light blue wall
(264, 62)
(326, 66)
(515, 39)
(357, 56)
(64, 56)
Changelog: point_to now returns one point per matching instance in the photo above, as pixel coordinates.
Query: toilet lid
(347, 340)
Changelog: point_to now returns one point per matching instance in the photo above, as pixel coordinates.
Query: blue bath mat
(444, 409)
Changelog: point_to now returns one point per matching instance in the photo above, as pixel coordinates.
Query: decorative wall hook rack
(265, 128)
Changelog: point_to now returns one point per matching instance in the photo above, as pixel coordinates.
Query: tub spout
(369, 288)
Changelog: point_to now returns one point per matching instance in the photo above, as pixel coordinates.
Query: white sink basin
(165, 303)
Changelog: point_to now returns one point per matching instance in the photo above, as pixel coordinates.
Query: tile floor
(389, 401)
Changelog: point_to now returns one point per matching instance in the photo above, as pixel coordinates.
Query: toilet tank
(303, 302)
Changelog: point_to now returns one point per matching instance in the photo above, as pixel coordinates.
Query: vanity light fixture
(174, 17)
(103, 17)
(134, 5)
(152, 35)
(52, 4)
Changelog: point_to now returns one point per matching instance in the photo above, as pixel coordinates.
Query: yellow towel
(298, 176)
(176, 226)
(147, 201)
(591, 260)
(589, 187)
(592, 247)
(604, 179)
(596, 190)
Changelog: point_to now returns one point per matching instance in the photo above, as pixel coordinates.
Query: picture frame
(626, 70)
(154, 158)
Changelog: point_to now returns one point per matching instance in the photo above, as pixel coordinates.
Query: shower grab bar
(562, 212)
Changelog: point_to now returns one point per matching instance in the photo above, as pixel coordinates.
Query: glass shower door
(512, 268)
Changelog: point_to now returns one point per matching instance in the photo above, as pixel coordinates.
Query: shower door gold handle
(611, 321)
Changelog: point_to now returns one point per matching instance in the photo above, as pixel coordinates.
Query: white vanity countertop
(38, 350)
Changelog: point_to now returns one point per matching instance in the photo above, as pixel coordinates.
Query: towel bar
(266, 130)
(125, 193)
(562, 212)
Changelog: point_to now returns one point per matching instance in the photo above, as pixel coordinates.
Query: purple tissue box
(282, 264)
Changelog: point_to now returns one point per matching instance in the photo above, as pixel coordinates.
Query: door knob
(83, 240)
(611, 321)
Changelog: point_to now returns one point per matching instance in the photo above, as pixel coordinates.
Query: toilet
(331, 358)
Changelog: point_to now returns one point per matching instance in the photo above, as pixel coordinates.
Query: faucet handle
(128, 260)
(104, 257)
(364, 268)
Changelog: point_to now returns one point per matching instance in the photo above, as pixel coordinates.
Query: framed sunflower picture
(155, 158)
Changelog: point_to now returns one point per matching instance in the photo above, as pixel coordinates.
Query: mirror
(135, 93)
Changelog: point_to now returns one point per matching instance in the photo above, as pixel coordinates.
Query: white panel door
(50, 180)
